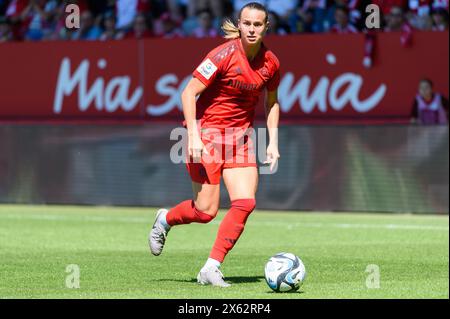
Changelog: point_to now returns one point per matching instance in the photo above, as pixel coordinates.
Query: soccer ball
(284, 272)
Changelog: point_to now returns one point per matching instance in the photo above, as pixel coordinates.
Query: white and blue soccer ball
(285, 272)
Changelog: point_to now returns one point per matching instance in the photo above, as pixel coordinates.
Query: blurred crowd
(37, 20)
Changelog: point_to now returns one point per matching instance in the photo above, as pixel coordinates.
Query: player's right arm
(188, 100)
(203, 76)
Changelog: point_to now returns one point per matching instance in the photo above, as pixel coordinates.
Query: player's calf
(185, 213)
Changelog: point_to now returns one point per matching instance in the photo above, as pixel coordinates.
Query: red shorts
(221, 156)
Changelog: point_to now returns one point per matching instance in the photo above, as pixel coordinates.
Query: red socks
(231, 227)
(186, 213)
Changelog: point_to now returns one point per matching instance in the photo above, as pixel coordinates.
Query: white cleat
(211, 276)
(158, 234)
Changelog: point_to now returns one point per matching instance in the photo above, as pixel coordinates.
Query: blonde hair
(231, 31)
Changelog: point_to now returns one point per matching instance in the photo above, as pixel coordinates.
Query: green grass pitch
(109, 244)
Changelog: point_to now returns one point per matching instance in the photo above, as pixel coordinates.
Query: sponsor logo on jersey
(242, 85)
(207, 68)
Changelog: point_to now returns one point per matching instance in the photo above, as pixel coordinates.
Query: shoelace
(220, 273)
(221, 276)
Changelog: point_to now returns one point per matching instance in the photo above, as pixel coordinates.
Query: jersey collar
(257, 56)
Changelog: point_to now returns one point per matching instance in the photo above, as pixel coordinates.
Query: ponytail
(231, 30)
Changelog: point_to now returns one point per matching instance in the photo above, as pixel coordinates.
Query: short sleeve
(274, 81)
(207, 71)
(214, 63)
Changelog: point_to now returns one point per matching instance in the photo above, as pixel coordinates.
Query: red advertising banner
(322, 77)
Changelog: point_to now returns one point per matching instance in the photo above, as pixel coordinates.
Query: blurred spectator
(35, 17)
(283, 8)
(168, 27)
(186, 10)
(274, 25)
(14, 12)
(353, 14)
(343, 25)
(440, 4)
(191, 22)
(216, 7)
(396, 22)
(170, 12)
(440, 20)
(356, 9)
(387, 5)
(5, 30)
(60, 32)
(40, 14)
(177, 10)
(108, 24)
(15, 8)
(140, 28)
(429, 107)
(302, 21)
(318, 9)
(419, 14)
(419, 7)
(126, 11)
(423, 22)
(88, 30)
(205, 28)
(116, 19)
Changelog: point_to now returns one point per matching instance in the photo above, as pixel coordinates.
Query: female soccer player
(229, 82)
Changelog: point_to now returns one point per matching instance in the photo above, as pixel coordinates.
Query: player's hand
(196, 148)
(272, 155)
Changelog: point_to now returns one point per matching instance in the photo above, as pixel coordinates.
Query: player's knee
(246, 205)
(204, 218)
(212, 211)
(206, 213)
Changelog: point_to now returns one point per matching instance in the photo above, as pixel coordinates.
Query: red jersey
(234, 84)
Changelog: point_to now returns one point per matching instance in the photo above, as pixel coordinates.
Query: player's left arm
(272, 117)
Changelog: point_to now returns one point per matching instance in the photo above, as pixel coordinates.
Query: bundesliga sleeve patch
(207, 68)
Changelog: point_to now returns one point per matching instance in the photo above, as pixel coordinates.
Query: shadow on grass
(232, 280)
(299, 292)
(240, 279)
